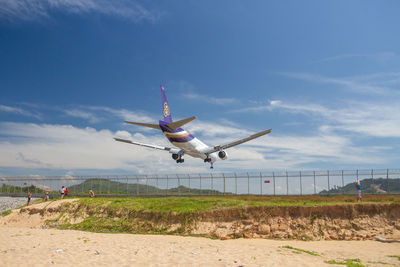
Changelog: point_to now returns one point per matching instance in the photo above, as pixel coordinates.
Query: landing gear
(178, 158)
(209, 160)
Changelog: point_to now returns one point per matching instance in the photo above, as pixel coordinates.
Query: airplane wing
(238, 142)
(154, 126)
(171, 150)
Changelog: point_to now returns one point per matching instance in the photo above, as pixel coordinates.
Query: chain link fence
(383, 181)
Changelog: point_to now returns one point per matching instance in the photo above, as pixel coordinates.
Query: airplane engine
(222, 155)
(175, 156)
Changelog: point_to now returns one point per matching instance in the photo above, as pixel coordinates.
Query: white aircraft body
(185, 142)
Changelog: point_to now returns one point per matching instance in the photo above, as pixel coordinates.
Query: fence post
(137, 185)
(235, 184)
(315, 186)
(287, 184)
(248, 184)
(301, 187)
(158, 188)
(260, 184)
(372, 175)
(83, 181)
(179, 184)
(118, 183)
(273, 176)
(166, 191)
(100, 184)
(108, 188)
(387, 180)
(127, 189)
(223, 175)
(189, 181)
(147, 186)
(200, 182)
(329, 187)
(212, 183)
(342, 183)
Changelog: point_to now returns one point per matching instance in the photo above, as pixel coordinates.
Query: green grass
(394, 256)
(299, 250)
(5, 213)
(347, 262)
(378, 262)
(208, 203)
(155, 215)
(171, 204)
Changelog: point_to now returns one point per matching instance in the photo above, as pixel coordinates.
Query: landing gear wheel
(207, 160)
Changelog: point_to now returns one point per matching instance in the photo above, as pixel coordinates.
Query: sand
(23, 241)
(39, 247)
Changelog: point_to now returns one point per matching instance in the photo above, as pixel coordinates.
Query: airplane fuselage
(187, 142)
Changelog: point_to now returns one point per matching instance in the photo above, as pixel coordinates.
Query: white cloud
(379, 57)
(124, 114)
(82, 114)
(210, 99)
(95, 114)
(210, 129)
(19, 111)
(363, 85)
(31, 10)
(368, 118)
(29, 145)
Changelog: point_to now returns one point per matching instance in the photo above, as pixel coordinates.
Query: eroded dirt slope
(329, 222)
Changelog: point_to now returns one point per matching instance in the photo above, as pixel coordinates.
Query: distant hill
(369, 186)
(20, 189)
(104, 186)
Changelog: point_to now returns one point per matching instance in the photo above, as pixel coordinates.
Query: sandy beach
(38, 247)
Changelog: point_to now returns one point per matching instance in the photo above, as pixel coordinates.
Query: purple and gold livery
(185, 142)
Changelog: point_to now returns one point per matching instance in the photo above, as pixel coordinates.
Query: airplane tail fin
(165, 107)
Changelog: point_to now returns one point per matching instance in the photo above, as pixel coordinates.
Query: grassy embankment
(156, 215)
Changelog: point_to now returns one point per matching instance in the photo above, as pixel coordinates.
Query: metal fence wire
(382, 181)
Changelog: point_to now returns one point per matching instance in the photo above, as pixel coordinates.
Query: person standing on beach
(66, 191)
(62, 191)
(46, 196)
(29, 198)
(358, 185)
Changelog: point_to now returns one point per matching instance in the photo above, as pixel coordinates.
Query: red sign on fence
(266, 182)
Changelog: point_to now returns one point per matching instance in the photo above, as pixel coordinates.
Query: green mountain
(368, 186)
(20, 189)
(104, 186)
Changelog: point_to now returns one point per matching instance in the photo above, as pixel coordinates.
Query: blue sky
(324, 76)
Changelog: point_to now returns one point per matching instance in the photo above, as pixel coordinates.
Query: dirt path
(34, 247)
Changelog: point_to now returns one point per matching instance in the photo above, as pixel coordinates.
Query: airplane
(185, 142)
